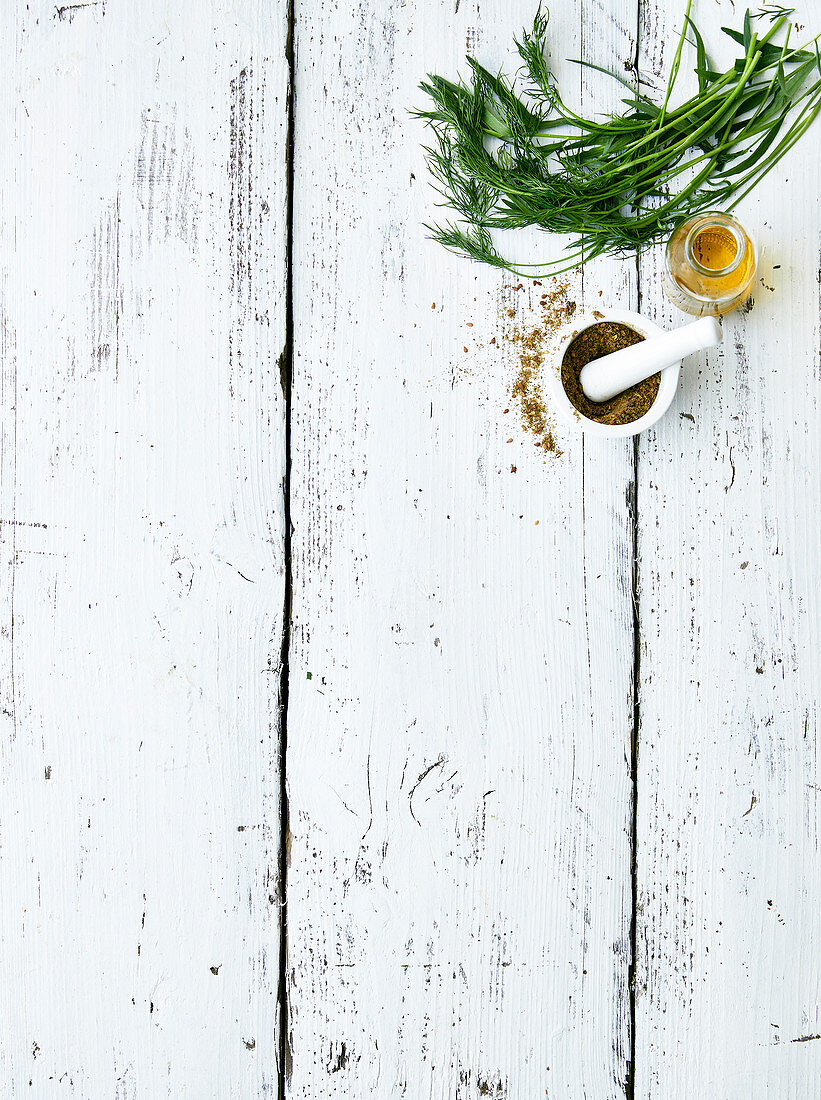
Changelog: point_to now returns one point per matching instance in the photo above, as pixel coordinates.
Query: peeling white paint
(141, 457)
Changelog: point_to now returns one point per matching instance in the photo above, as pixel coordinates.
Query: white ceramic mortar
(563, 404)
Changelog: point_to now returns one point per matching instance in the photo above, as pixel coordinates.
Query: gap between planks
(630, 1080)
(286, 379)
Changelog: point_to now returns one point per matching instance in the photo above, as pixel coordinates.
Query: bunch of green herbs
(505, 159)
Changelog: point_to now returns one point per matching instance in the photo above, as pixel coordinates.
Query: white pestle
(604, 378)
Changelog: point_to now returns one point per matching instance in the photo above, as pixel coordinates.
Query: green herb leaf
(621, 183)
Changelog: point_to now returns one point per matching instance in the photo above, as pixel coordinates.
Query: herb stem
(501, 160)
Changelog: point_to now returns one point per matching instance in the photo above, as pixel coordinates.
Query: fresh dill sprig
(507, 159)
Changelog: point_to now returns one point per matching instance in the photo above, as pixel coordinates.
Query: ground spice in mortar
(592, 343)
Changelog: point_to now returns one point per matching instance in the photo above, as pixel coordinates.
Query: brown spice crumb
(469, 324)
(511, 312)
(592, 343)
(513, 469)
(433, 305)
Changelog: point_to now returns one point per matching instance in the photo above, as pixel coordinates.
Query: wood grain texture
(141, 539)
(729, 979)
(461, 660)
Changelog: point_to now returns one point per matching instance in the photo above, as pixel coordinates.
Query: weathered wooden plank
(142, 300)
(729, 493)
(461, 662)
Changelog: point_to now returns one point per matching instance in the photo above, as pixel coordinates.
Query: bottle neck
(714, 248)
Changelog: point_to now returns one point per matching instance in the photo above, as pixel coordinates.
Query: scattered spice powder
(527, 391)
(592, 343)
(532, 344)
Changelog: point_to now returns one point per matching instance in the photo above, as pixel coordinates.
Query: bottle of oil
(710, 265)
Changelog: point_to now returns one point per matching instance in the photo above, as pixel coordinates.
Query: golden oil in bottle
(710, 265)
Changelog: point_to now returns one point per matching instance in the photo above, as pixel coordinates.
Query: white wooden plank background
(143, 257)
(729, 871)
(461, 649)
(459, 895)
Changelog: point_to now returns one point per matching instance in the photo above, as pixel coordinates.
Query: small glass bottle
(710, 265)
